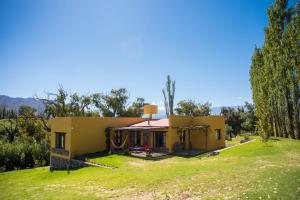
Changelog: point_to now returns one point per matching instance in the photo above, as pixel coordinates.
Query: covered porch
(192, 140)
(148, 137)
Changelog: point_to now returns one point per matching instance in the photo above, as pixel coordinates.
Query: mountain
(217, 110)
(214, 111)
(16, 102)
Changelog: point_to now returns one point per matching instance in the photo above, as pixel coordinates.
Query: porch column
(189, 140)
(142, 138)
(153, 139)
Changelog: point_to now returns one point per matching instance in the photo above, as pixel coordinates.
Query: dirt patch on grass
(137, 164)
(293, 155)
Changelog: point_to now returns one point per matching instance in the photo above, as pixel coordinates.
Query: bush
(23, 154)
(247, 136)
(41, 153)
(228, 138)
(126, 152)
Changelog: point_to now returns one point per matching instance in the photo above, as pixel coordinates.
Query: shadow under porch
(139, 140)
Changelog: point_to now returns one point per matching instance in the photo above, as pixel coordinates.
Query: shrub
(247, 136)
(23, 154)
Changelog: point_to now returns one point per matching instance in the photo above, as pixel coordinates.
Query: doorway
(160, 139)
(135, 138)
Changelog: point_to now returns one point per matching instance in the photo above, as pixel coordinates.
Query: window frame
(218, 134)
(182, 137)
(60, 140)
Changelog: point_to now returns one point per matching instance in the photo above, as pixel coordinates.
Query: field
(250, 171)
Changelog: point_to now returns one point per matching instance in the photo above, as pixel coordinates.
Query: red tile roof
(156, 123)
(147, 125)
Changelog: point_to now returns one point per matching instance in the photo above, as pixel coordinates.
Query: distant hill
(214, 111)
(217, 110)
(16, 102)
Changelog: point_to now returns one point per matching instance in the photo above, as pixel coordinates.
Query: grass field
(249, 171)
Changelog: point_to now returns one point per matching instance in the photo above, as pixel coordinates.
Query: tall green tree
(274, 74)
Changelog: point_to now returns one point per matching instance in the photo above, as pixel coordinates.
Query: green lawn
(234, 141)
(252, 170)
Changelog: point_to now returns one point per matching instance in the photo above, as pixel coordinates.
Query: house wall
(87, 134)
(174, 122)
(214, 122)
(198, 137)
(61, 124)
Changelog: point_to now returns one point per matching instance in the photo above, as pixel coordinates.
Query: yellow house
(75, 136)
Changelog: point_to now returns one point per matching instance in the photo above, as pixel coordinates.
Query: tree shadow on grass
(275, 139)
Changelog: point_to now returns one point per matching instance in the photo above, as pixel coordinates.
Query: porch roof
(157, 124)
(147, 125)
(194, 127)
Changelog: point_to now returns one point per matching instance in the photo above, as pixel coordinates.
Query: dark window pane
(60, 140)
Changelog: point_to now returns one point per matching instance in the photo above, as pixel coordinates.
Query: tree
(274, 74)
(186, 108)
(136, 109)
(26, 111)
(233, 119)
(249, 117)
(56, 104)
(239, 119)
(204, 109)
(10, 129)
(80, 105)
(6, 113)
(190, 108)
(169, 93)
(113, 104)
(64, 104)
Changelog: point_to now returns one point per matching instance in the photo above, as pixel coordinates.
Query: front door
(160, 139)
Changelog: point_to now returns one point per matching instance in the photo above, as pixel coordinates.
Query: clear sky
(94, 46)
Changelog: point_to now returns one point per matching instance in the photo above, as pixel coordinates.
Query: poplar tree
(274, 74)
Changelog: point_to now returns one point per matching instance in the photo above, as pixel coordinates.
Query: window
(182, 137)
(60, 140)
(135, 138)
(218, 134)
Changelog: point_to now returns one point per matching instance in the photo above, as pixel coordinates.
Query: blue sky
(94, 46)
